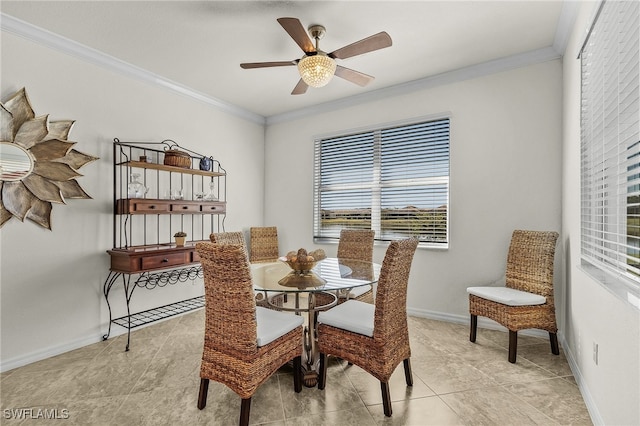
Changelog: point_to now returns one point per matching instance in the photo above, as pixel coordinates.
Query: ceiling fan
(316, 67)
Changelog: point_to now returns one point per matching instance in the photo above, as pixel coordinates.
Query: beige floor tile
(355, 417)
(156, 383)
(338, 394)
(177, 407)
(191, 323)
(170, 372)
(141, 347)
(494, 406)
(540, 354)
(502, 371)
(177, 346)
(557, 398)
(36, 388)
(98, 411)
(369, 387)
(446, 374)
(420, 412)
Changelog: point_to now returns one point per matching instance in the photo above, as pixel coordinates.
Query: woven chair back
(356, 244)
(230, 308)
(263, 244)
(227, 238)
(530, 262)
(390, 321)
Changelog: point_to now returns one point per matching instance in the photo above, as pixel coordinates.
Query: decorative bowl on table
(299, 267)
(301, 275)
(303, 261)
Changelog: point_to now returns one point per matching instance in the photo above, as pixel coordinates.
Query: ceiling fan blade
(300, 89)
(369, 44)
(357, 77)
(249, 65)
(297, 32)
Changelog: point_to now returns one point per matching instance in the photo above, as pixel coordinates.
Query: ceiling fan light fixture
(317, 70)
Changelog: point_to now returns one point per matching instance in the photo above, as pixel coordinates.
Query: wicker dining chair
(373, 337)
(527, 299)
(263, 242)
(244, 345)
(277, 300)
(228, 238)
(356, 244)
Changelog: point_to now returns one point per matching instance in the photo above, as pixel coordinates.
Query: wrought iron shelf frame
(124, 154)
(150, 280)
(155, 229)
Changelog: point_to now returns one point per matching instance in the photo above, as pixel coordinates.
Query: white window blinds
(610, 141)
(393, 180)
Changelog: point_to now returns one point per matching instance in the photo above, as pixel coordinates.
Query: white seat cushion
(351, 315)
(507, 296)
(273, 324)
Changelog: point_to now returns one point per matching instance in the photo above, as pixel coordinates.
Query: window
(610, 141)
(394, 180)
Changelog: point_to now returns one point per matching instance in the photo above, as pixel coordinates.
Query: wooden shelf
(154, 166)
(152, 257)
(158, 206)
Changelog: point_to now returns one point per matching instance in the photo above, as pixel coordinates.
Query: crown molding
(567, 19)
(73, 48)
(473, 71)
(57, 42)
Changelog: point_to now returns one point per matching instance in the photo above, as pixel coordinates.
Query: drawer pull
(152, 207)
(165, 260)
(185, 207)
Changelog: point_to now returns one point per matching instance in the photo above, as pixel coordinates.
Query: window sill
(620, 287)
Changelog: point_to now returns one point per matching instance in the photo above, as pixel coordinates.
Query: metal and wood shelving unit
(176, 199)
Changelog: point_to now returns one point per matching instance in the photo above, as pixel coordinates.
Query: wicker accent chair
(263, 244)
(244, 345)
(527, 299)
(238, 238)
(373, 337)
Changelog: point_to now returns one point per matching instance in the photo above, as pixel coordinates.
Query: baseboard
(39, 355)
(596, 418)
(464, 319)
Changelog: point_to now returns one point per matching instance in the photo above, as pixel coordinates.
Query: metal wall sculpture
(38, 166)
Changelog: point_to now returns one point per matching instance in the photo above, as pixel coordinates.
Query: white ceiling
(200, 44)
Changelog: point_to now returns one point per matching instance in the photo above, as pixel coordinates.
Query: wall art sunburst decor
(38, 165)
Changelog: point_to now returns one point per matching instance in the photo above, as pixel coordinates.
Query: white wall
(591, 313)
(505, 174)
(51, 281)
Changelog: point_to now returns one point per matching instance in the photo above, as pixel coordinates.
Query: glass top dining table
(331, 276)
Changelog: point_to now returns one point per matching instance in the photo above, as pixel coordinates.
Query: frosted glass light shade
(316, 70)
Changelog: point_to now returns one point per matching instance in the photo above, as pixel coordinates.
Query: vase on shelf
(211, 196)
(136, 189)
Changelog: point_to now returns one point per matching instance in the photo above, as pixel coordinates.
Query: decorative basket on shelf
(176, 158)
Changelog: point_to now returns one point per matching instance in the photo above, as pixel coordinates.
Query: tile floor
(156, 383)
